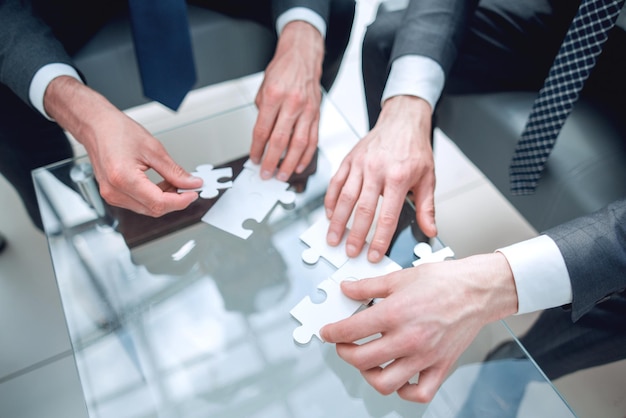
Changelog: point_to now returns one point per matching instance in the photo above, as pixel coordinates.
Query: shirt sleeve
(304, 14)
(541, 277)
(42, 79)
(415, 75)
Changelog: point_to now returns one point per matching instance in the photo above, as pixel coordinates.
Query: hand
(394, 157)
(428, 317)
(120, 150)
(289, 103)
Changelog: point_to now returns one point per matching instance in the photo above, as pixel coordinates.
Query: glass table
(172, 317)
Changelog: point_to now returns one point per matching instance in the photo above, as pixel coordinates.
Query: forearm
(26, 45)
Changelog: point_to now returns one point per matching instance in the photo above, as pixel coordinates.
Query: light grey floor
(471, 215)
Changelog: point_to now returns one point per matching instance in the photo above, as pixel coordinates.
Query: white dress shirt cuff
(301, 13)
(42, 79)
(415, 75)
(540, 274)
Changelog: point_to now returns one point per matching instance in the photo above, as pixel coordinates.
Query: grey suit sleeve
(594, 250)
(321, 7)
(26, 44)
(433, 28)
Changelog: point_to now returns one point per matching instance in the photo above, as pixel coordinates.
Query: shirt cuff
(301, 13)
(42, 79)
(540, 274)
(415, 75)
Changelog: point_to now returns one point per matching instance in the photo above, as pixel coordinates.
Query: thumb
(366, 289)
(176, 175)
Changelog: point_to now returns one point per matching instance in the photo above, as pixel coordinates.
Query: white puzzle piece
(315, 238)
(336, 306)
(426, 255)
(360, 267)
(250, 197)
(313, 316)
(213, 180)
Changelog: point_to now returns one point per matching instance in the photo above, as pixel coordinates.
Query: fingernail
(374, 256)
(300, 169)
(332, 238)
(329, 213)
(282, 177)
(266, 174)
(351, 250)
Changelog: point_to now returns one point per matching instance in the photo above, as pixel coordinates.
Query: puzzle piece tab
(426, 255)
(313, 316)
(213, 180)
(250, 197)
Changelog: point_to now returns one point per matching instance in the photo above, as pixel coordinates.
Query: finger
(363, 216)
(365, 323)
(278, 143)
(346, 202)
(425, 208)
(311, 147)
(262, 129)
(386, 224)
(426, 388)
(295, 149)
(171, 172)
(335, 186)
(393, 376)
(144, 197)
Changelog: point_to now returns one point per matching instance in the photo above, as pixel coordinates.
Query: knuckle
(347, 197)
(365, 211)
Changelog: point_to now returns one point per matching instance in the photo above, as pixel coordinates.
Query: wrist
(302, 37)
(74, 106)
(493, 280)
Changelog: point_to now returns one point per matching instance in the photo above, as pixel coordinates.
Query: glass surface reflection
(172, 317)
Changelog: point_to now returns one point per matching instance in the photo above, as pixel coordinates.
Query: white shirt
(540, 274)
(49, 72)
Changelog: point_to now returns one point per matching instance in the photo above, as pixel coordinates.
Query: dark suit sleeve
(433, 28)
(26, 44)
(594, 250)
(321, 7)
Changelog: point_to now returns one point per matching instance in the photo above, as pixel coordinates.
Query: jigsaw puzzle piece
(250, 197)
(315, 238)
(425, 253)
(360, 267)
(213, 180)
(313, 316)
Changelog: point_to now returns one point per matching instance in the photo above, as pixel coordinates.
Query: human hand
(120, 150)
(395, 157)
(289, 103)
(428, 317)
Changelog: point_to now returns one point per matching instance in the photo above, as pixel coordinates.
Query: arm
(290, 96)
(428, 317)
(432, 312)
(396, 156)
(594, 251)
(120, 150)
(26, 45)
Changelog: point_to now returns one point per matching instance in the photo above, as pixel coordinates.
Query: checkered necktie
(572, 65)
(163, 49)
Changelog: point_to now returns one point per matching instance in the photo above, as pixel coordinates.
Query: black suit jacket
(39, 32)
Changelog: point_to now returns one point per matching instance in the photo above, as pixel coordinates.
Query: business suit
(53, 31)
(492, 45)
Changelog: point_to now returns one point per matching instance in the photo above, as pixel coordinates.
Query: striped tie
(572, 65)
